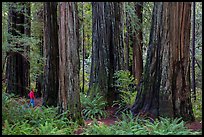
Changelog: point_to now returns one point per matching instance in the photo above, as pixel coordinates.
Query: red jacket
(31, 95)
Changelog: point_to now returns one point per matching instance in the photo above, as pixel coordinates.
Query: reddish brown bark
(137, 63)
(107, 47)
(166, 89)
(51, 50)
(69, 89)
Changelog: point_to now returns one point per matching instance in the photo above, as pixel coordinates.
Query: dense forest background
(84, 58)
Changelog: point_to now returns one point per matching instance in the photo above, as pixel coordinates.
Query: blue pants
(32, 103)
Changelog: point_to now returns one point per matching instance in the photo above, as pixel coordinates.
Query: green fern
(131, 125)
(20, 121)
(93, 107)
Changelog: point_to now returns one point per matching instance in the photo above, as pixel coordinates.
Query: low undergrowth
(129, 125)
(19, 120)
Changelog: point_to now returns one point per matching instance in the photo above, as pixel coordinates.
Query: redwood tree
(107, 47)
(100, 50)
(137, 63)
(166, 88)
(51, 52)
(69, 89)
(17, 68)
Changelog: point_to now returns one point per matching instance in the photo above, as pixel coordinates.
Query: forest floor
(196, 125)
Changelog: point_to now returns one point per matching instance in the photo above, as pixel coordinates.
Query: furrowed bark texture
(180, 24)
(137, 45)
(147, 99)
(100, 52)
(17, 70)
(166, 89)
(51, 47)
(69, 88)
(107, 47)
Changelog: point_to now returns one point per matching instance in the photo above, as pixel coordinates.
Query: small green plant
(93, 107)
(124, 83)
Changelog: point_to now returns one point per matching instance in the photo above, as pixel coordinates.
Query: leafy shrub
(93, 107)
(124, 83)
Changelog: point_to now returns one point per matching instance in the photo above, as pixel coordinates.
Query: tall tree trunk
(51, 70)
(193, 53)
(117, 32)
(100, 52)
(69, 87)
(117, 46)
(126, 46)
(180, 21)
(107, 47)
(175, 98)
(166, 89)
(137, 44)
(147, 99)
(83, 49)
(17, 70)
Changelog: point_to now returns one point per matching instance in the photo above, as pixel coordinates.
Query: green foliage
(19, 128)
(18, 119)
(36, 46)
(36, 59)
(132, 17)
(167, 126)
(11, 110)
(98, 129)
(146, 21)
(93, 107)
(33, 42)
(198, 44)
(197, 105)
(130, 125)
(134, 24)
(87, 22)
(124, 83)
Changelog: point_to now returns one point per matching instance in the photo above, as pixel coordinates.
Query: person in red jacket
(32, 97)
